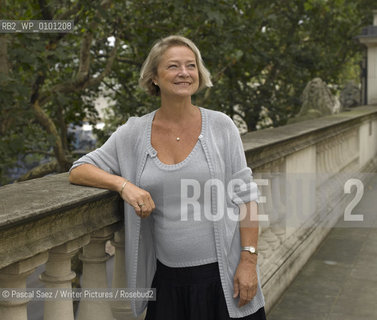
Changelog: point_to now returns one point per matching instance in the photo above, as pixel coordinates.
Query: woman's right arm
(90, 175)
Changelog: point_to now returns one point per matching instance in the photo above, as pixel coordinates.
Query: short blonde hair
(150, 65)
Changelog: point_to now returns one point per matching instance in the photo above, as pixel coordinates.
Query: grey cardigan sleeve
(244, 188)
(105, 157)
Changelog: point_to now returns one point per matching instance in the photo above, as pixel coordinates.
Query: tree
(45, 78)
(261, 55)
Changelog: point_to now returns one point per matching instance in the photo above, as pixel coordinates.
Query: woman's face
(177, 72)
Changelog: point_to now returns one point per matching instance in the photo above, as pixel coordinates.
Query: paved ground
(339, 282)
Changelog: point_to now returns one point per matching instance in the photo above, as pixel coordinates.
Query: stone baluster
(268, 207)
(14, 276)
(324, 159)
(278, 225)
(264, 250)
(58, 275)
(337, 154)
(94, 259)
(332, 152)
(328, 159)
(280, 232)
(120, 309)
(263, 247)
(320, 164)
(272, 240)
(263, 186)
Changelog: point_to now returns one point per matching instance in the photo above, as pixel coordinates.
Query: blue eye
(172, 66)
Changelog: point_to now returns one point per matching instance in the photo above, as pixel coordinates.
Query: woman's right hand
(90, 175)
(139, 199)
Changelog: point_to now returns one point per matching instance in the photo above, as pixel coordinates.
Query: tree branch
(46, 122)
(46, 153)
(36, 86)
(129, 61)
(113, 88)
(46, 97)
(62, 126)
(77, 84)
(65, 15)
(40, 171)
(82, 79)
(96, 81)
(84, 66)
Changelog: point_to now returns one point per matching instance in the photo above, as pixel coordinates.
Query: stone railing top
(267, 137)
(24, 201)
(41, 214)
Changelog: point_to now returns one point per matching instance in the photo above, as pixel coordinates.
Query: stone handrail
(47, 220)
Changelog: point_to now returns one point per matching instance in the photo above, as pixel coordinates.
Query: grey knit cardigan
(125, 153)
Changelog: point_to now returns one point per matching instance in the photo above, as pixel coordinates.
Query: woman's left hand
(245, 282)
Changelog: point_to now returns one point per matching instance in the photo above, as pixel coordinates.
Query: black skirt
(190, 293)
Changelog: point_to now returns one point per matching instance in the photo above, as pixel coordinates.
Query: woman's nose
(183, 72)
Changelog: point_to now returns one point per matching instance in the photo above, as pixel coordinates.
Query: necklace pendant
(178, 138)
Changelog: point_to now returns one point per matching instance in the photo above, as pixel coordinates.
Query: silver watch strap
(250, 249)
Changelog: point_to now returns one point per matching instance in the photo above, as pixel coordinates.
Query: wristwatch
(250, 249)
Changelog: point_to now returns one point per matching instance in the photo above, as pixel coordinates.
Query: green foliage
(261, 55)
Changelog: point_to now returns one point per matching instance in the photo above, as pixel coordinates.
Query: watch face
(251, 249)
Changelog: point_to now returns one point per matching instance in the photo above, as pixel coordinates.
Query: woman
(190, 210)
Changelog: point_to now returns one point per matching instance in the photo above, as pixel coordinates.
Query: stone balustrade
(301, 170)
(46, 221)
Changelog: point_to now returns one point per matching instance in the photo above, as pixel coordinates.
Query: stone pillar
(14, 276)
(58, 275)
(271, 238)
(120, 309)
(278, 225)
(300, 169)
(94, 259)
(264, 250)
(369, 39)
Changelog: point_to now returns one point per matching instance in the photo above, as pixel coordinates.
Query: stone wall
(304, 167)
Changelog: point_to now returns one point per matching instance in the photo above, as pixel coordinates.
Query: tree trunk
(40, 171)
(62, 127)
(49, 126)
